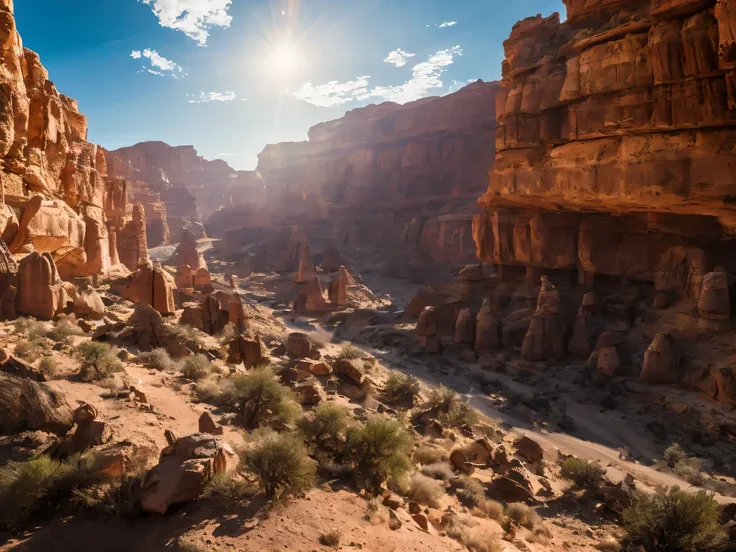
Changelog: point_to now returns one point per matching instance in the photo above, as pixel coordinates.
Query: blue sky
(230, 76)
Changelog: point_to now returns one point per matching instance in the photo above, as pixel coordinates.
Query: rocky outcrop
(151, 285)
(132, 240)
(614, 151)
(187, 253)
(40, 292)
(398, 176)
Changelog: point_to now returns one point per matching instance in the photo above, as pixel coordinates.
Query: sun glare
(284, 60)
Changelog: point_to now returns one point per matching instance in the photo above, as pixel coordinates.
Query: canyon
(502, 282)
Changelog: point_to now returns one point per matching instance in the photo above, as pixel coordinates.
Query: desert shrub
(27, 488)
(210, 390)
(28, 350)
(32, 328)
(228, 487)
(522, 514)
(97, 360)
(465, 530)
(689, 470)
(280, 463)
(48, 366)
(331, 538)
(196, 367)
(118, 498)
(673, 455)
(582, 473)
(449, 409)
(472, 493)
(399, 388)
(425, 490)
(326, 426)
(349, 351)
(438, 470)
(228, 333)
(427, 454)
(159, 359)
(379, 450)
(675, 520)
(183, 333)
(62, 330)
(262, 400)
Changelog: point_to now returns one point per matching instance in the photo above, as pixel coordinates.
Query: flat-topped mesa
(382, 175)
(616, 143)
(54, 193)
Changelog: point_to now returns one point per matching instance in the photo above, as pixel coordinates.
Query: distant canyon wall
(386, 175)
(616, 143)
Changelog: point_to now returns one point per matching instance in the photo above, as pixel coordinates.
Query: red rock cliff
(616, 144)
(379, 175)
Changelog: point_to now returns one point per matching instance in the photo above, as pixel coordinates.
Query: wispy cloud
(158, 64)
(446, 24)
(457, 85)
(398, 58)
(206, 97)
(333, 93)
(425, 76)
(194, 18)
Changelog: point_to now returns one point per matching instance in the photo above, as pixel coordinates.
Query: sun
(284, 59)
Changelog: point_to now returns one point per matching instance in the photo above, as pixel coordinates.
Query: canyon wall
(616, 144)
(385, 175)
(56, 197)
(176, 186)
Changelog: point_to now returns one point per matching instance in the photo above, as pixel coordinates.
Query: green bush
(400, 388)
(229, 487)
(349, 351)
(62, 330)
(522, 514)
(281, 464)
(428, 454)
(379, 450)
(28, 350)
(159, 359)
(97, 360)
(33, 328)
(582, 473)
(118, 498)
(674, 454)
(326, 426)
(262, 400)
(675, 520)
(449, 409)
(196, 367)
(48, 365)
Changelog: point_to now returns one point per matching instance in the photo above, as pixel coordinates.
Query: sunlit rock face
(387, 175)
(615, 149)
(54, 190)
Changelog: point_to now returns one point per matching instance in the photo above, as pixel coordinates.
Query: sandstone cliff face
(616, 148)
(54, 192)
(180, 185)
(381, 175)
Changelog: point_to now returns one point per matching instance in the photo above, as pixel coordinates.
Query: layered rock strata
(615, 146)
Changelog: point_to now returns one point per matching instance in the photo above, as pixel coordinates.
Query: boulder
(152, 285)
(19, 367)
(148, 328)
(608, 362)
(529, 449)
(351, 368)
(487, 328)
(40, 291)
(88, 304)
(464, 329)
(208, 425)
(314, 367)
(298, 345)
(248, 350)
(515, 486)
(660, 361)
(471, 272)
(460, 460)
(714, 301)
(184, 277)
(29, 405)
(183, 470)
(427, 322)
(309, 393)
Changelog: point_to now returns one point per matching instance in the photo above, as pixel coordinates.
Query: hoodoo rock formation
(615, 146)
(386, 175)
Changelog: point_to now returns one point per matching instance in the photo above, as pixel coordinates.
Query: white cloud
(446, 24)
(457, 85)
(398, 57)
(158, 64)
(333, 93)
(194, 18)
(425, 76)
(202, 97)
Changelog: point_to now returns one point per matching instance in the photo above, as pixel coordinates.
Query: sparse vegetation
(674, 454)
(465, 530)
(62, 330)
(262, 400)
(229, 487)
(522, 514)
(401, 388)
(159, 359)
(326, 427)
(684, 466)
(449, 409)
(280, 463)
(28, 350)
(196, 367)
(32, 328)
(425, 490)
(47, 366)
(97, 360)
(438, 470)
(582, 473)
(331, 538)
(472, 493)
(675, 520)
(228, 333)
(428, 454)
(379, 450)
(349, 351)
